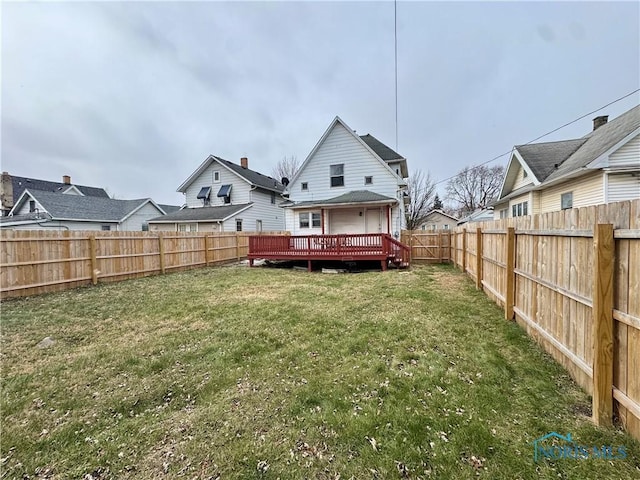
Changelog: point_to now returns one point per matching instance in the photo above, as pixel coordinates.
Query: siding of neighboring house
(270, 215)
(140, 217)
(628, 154)
(623, 186)
(239, 192)
(437, 221)
(67, 225)
(587, 190)
(521, 180)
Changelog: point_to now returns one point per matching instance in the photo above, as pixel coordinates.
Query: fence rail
(36, 261)
(571, 279)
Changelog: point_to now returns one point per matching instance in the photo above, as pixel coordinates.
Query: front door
(373, 220)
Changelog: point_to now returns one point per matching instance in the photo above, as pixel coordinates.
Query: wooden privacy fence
(428, 247)
(36, 261)
(572, 280)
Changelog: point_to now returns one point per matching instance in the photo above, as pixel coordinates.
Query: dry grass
(238, 373)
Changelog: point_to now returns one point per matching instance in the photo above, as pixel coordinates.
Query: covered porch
(380, 247)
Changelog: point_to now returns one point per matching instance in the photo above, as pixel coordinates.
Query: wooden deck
(380, 247)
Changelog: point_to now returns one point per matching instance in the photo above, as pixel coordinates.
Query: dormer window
(225, 193)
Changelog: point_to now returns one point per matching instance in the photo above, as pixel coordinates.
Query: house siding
(627, 155)
(143, 215)
(341, 147)
(437, 221)
(587, 190)
(521, 180)
(239, 192)
(270, 214)
(623, 187)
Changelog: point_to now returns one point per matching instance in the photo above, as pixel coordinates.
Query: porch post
(322, 219)
(389, 219)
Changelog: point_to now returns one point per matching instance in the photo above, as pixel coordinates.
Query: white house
(601, 167)
(347, 184)
(438, 220)
(38, 209)
(222, 196)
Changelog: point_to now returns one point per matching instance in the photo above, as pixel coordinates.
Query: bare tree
(286, 168)
(474, 188)
(421, 189)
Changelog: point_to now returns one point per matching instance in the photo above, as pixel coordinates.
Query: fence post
(510, 278)
(206, 250)
(237, 247)
(94, 260)
(603, 249)
(161, 250)
(464, 250)
(439, 247)
(479, 258)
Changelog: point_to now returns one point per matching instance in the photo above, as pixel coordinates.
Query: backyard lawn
(269, 373)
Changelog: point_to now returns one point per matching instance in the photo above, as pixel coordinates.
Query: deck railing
(365, 246)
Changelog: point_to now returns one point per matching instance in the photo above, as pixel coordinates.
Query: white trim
(605, 186)
(203, 166)
(516, 155)
(74, 188)
(24, 193)
(335, 122)
(602, 160)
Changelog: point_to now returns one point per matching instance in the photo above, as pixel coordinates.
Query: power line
(546, 134)
(395, 41)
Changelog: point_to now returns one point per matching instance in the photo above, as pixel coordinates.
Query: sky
(133, 96)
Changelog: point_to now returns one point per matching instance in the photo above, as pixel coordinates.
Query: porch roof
(356, 197)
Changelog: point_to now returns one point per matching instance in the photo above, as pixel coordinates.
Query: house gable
(214, 174)
(517, 175)
(341, 146)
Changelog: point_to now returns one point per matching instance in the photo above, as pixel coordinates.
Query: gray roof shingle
(19, 185)
(76, 207)
(384, 152)
(355, 197)
(201, 214)
(552, 160)
(252, 176)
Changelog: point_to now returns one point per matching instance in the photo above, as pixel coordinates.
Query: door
(374, 220)
(346, 220)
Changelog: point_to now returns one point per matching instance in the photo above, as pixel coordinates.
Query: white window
(239, 225)
(566, 200)
(368, 180)
(316, 222)
(182, 227)
(337, 175)
(504, 213)
(445, 226)
(304, 220)
(216, 177)
(106, 228)
(519, 209)
(304, 186)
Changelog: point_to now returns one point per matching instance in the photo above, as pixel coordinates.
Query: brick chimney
(244, 162)
(66, 179)
(599, 121)
(6, 193)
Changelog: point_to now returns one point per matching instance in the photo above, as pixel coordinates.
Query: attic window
(216, 176)
(337, 175)
(204, 193)
(32, 206)
(304, 186)
(368, 180)
(524, 174)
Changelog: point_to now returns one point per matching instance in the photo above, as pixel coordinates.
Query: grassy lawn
(264, 373)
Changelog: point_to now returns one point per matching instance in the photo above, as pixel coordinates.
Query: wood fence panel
(38, 261)
(553, 290)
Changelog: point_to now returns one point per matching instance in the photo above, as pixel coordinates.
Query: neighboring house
(347, 184)
(438, 220)
(11, 188)
(481, 215)
(36, 209)
(222, 196)
(601, 167)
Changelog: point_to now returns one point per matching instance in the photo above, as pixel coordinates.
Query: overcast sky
(132, 97)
